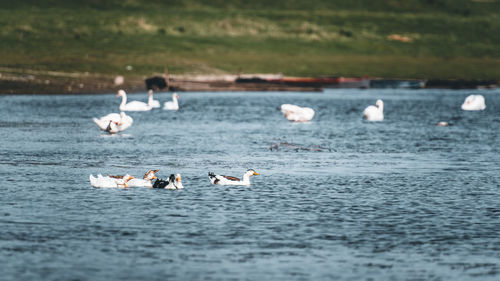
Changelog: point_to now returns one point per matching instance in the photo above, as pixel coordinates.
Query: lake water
(341, 198)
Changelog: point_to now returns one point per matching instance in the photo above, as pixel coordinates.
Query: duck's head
(150, 175)
(126, 178)
(252, 172)
(178, 181)
(379, 103)
(171, 178)
(121, 93)
(175, 96)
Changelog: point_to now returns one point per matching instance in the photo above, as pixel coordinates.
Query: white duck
(124, 121)
(172, 105)
(474, 102)
(145, 181)
(133, 105)
(296, 113)
(109, 182)
(178, 181)
(374, 112)
(228, 180)
(152, 102)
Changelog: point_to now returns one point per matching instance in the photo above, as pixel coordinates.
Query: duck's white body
(133, 105)
(152, 102)
(123, 121)
(374, 112)
(107, 182)
(145, 181)
(296, 113)
(172, 105)
(228, 180)
(474, 102)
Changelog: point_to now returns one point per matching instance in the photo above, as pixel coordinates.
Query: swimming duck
(172, 105)
(474, 102)
(443, 124)
(178, 181)
(110, 182)
(173, 182)
(296, 113)
(145, 181)
(228, 180)
(133, 105)
(152, 102)
(374, 112)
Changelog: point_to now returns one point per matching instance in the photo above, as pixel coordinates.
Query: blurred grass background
(393, 38)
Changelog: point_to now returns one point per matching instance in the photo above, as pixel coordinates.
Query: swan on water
(296, 113)
(124, 121)
(152, 102)
(172, 105)
(374, 112)
(133, 105)
(474, 102)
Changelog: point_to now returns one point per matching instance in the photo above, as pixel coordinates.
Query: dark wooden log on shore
(155, 83)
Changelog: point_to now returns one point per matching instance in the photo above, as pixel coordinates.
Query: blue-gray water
(400, 199)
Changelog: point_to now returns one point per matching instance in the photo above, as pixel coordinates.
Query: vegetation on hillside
(393, 38)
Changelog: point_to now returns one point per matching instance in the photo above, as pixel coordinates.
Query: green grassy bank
(393, 38)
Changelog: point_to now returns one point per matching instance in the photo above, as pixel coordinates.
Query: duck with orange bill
(174, 182)
(110, 182)
(229, 180)
(145, 181)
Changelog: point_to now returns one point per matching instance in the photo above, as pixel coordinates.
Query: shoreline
(22, 82)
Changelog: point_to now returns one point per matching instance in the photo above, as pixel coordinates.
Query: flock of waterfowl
(117, 122)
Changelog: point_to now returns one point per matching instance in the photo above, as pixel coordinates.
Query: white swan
(228, 180)
(124, 121)
(145, 181)
(172, 105)
(474, 102)
(133, 105)
(374, 113)
(152, 102)
(109, 182)
(296, 113)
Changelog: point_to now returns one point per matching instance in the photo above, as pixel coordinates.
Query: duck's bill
(255, 174)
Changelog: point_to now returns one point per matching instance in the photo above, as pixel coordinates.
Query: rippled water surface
(339, 198)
